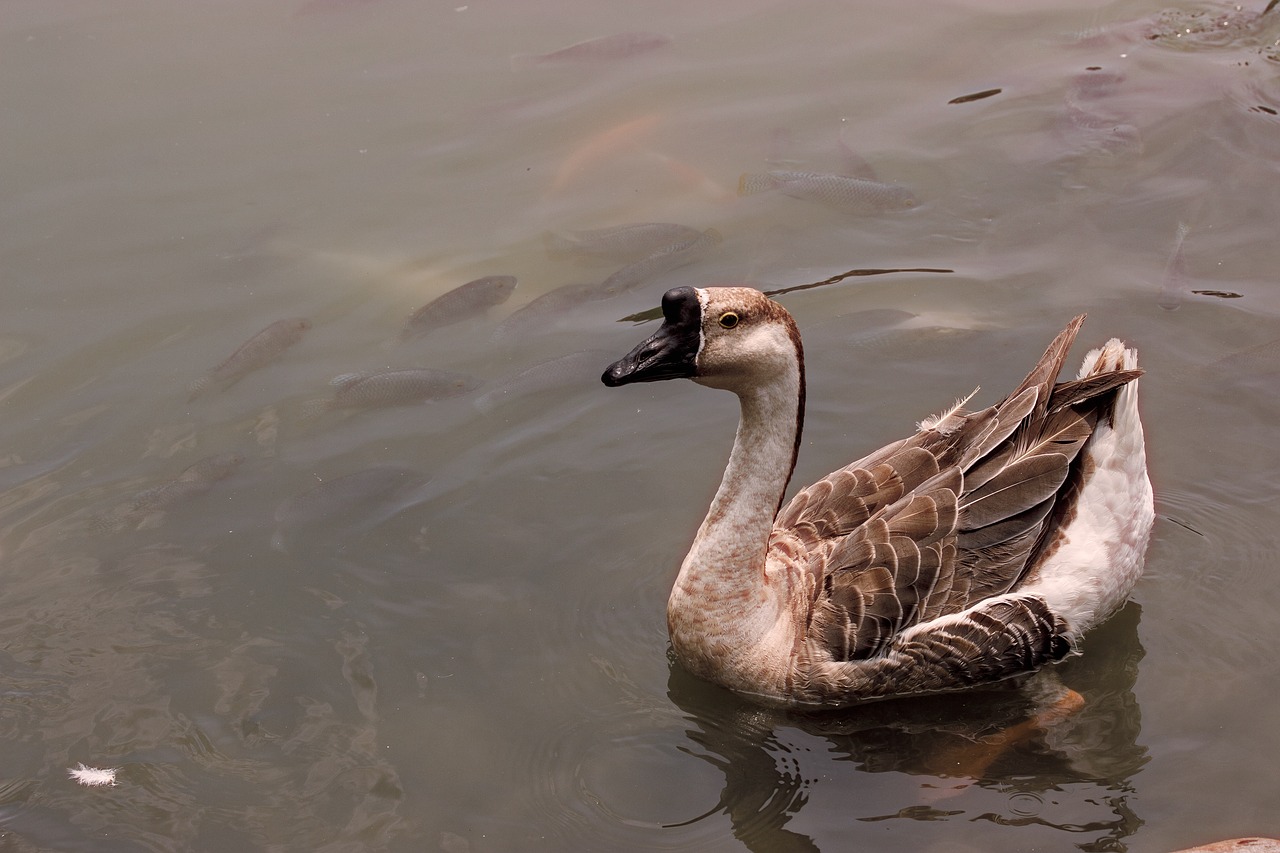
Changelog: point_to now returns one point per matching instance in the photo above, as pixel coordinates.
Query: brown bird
(980, 548)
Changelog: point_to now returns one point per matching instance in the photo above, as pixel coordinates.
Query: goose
(979, 549)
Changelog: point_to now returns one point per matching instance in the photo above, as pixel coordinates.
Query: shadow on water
(951, 747)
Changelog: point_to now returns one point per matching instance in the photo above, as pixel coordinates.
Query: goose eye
(728, 319)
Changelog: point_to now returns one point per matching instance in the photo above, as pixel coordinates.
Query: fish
(1174, 284)
(604, 48)
(259, 351)
(349, 503)
(552, 302)
(196, 479)
(661, 261)
(372, 389)
(1261, 361)
(574, 368)
(1087, 130)
(604, 145)
(1097, 83)
(852, 162)
(779, 150)
(687, 177)
(620, 242)
(459, 304)
(842, 192)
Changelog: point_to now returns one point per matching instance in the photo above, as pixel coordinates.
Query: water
(479, 662)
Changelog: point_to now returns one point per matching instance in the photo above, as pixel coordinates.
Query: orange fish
(604, 48)
(603, 146)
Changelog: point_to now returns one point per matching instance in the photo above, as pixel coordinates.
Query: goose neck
(731, 544)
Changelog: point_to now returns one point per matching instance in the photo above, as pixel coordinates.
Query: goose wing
(931, 525)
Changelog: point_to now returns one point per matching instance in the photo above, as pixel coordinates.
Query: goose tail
(1115, 364)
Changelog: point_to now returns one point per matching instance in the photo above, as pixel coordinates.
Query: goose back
(956, 514)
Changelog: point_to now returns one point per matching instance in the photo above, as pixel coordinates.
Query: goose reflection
(964, 752)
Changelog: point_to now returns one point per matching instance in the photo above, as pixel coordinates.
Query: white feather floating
(93, 777)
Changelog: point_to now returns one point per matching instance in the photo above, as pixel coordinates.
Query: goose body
(980, 548)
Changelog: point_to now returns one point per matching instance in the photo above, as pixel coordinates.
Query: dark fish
(19, 473)
(1175, 283)
(621, 242)
(1084, 128)
(781, 145)
(391, 388)
(574, 368)
(661, 261)
(350, 500)
(459, 304)
(1096, 83)
(194, 480)
(550, 303)
(259, 351)
(852, 163)
(1262, 360)
(871, 321)
(851, 195)
(617, 46)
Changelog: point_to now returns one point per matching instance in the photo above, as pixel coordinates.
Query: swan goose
(978, 549)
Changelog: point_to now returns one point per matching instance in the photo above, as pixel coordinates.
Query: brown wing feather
(996, 640)
(933, 524)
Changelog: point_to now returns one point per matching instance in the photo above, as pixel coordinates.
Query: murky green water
(466, 649)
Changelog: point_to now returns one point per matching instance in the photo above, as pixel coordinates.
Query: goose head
(734, 338)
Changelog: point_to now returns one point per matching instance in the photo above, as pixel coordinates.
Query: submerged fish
(195, 480)
(661, 261)
(621, 242)
(852, 163)
(570, 296)
(604, 145)
(351, 502)
(851, 195)
(1096, 83)
(391, 388)
(259, 351)
(604, 48)
(1176, 281)
(552, 302)
(574, 368)
(459, 304)
(1087, 130)
(1261, 361)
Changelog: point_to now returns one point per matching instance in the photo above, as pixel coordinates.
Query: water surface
(471, 655)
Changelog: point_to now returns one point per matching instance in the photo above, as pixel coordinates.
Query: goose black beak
(669, 353)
